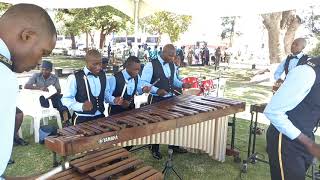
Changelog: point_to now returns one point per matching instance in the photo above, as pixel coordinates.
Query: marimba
(190, 121)
(107, 163)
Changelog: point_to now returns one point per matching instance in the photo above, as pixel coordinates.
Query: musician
(162, 69)
(296, 58)
(27, 33)
(294, 112)
(130, 74)
(86, 89)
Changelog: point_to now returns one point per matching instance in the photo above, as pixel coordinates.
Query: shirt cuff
(293, 133)
(78, 107)
(111, 100)
(154, 90)
(179, 84)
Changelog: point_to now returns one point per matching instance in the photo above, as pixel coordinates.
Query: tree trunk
(87, 40)
(293, 24)
(102, 39)
(272, 24)
(73, 41)
(281, 27)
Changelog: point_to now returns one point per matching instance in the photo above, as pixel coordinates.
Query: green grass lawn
(36, 159)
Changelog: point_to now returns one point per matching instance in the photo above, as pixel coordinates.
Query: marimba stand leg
(231, 151)
(169, 166)
(54, 158)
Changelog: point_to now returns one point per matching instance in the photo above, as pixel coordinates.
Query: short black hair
(131, 60)
(33, 14)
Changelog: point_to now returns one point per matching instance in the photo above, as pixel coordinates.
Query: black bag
(45, 131)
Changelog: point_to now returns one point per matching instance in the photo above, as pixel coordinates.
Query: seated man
(129, 75)
(86, 89)
(44, 79)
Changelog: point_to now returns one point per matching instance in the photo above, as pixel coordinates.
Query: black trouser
(155, 99)
(80, 119)
(293, 161)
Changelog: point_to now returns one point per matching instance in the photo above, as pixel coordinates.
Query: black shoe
(11, 161)
(179, 150)
(20, 141)
(157, 155)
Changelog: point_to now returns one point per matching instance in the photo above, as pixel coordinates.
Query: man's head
(29, 33)
(298, 45)
(93, 61)
(177, 61)
(133, 66)
(46, 69)
(168, 53)
(105, 61)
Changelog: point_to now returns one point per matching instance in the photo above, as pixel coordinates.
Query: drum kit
(202, 86)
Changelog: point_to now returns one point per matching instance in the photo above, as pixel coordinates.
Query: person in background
(86, 106)
(162, 69)
(296, 58)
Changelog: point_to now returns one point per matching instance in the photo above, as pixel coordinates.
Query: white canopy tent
(204, 8)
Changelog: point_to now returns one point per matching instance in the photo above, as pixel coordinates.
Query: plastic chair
(45, 114)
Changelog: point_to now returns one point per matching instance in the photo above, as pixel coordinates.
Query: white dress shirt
(8, 96)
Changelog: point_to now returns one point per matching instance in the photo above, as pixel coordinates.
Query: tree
(165, 22)
(4, 7)
(228, 24)
(281, 27)
(106, 19)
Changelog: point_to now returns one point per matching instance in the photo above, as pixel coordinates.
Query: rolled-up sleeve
(146, 76)
(69, 94)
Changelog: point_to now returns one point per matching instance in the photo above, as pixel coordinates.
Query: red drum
(207, 85)
(192, 80)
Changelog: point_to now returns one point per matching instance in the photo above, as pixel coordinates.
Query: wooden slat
(63, 132)
(136, 173)
(115, 168)
(195, 107)
(95, 154)
(147, 117)
(108, 125)
(84, 125)
(61, 174)
(183, 110)
(90, 164)
(96, 126)
(145, 175)
(134, 120)
(157, 176)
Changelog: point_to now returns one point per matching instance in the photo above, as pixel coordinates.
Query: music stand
(169, 166)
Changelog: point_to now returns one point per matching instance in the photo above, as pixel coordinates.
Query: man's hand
(44, 89)
(125, 104)
(87, 106)
(162, 92)
(312, 147)
(146, 89)
(186, 85)
(118, 101)
(279, 81)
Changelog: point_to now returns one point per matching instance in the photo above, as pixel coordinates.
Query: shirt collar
(86, 70)
(4, 50)
(161, 60)
(299, 55)
(126, 74)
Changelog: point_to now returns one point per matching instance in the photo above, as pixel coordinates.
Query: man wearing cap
(44, 79)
